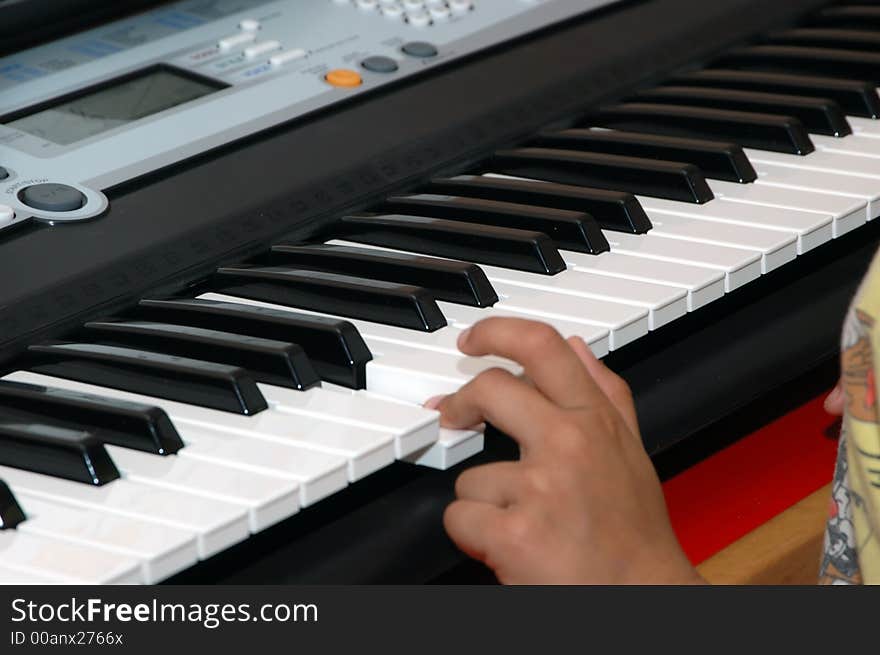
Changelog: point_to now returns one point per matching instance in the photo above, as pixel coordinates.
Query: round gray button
(379, 64)
(419, 49)
(3, 173)
(52, 197)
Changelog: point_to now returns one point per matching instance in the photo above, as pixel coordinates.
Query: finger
(498, 483)
(474, 527)
(834, 403)
(498, 397)
(611, 384)
(546, 358)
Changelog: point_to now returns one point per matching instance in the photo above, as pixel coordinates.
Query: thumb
(835, 401)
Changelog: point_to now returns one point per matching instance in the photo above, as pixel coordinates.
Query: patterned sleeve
(839, 562)
(852, 537)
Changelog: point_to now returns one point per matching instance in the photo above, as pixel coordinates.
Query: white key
(855, 144)
(450, 448)
(417, 375)
(867, 127)
(847, 213)
(413, 428)
(365, 450)
(462, 317)
(597, 338)
(218, 525)
(690, 277)
(664, 303)
(844, 174)
(811, 229)
(702, 285)
(266, 499)
(453, 447)
(822, 160)
(856, 188)
(65, 562)
(775, 248)
(318, 474)
(625, 322)
(739, 266)
(316, 454)
(162, 550)
(10, 576)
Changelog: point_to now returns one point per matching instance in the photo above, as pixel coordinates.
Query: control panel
(89, 111)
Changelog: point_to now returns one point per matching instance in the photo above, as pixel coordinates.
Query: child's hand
(834, 403)
(583, 504)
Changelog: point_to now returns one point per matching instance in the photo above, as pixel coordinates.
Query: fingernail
(462, 338)
(433, 403)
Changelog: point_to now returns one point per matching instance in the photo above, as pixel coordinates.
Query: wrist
(673, 569)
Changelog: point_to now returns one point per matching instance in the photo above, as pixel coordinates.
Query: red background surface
(729, 494)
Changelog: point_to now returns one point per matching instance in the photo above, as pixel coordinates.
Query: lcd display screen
(113, 105)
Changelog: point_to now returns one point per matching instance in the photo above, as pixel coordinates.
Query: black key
(571, 230)
(496, 246)
(849, 16)
(446, 279)
(854, 64)
(613, 210)
(118, 422)
(663, 179)
(819, 115)
(716, 159)
(54, 450)
(11, 513)
(752, 130)
(402, 305)
(334, 347)
(858, 98)
(273, 362)
(218, 386)
(844, 39)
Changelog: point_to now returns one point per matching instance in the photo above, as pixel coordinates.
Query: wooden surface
(785, 550)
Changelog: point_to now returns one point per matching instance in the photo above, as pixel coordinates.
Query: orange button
(343, 77)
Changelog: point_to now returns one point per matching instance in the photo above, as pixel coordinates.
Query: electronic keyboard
(241, 238)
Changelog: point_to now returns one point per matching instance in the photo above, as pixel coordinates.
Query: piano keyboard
(147, 441)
